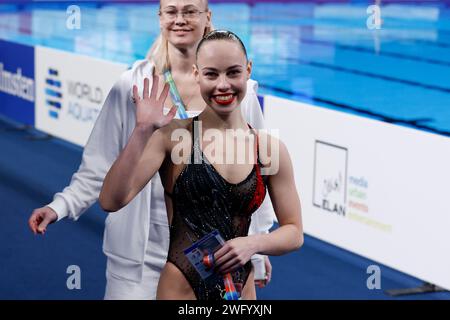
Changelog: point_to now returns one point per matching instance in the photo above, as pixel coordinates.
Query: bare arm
(286, 202)
(133, 169)
(288, 237)
(144, 153)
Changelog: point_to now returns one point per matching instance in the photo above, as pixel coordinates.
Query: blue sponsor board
(17, 88)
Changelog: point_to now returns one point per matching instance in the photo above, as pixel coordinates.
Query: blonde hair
(159, 50)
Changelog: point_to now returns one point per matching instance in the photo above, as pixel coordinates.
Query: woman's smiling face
(183, 22)
(222, 72)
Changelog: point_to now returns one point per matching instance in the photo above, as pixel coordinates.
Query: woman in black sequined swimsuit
(203, 194)
(204, 201)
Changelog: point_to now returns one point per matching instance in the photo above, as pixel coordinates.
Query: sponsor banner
(370, 187)
(17, 89)
(70, 92)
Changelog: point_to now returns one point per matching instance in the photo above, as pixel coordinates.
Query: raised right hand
(150, 109)
(41, 218)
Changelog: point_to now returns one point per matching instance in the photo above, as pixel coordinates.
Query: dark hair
(221, 35)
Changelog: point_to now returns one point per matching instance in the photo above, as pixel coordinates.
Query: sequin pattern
(204, 201)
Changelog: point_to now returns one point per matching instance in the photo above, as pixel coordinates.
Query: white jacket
(126, 231)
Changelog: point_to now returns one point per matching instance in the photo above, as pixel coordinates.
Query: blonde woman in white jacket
(136, 238)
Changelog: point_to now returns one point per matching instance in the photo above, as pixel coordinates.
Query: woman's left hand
(261, 283)
(234, 254)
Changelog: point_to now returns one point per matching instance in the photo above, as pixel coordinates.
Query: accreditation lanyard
(175, 95)
(230, 290)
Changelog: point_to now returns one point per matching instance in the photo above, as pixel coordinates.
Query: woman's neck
(233, 120)
(181, 60)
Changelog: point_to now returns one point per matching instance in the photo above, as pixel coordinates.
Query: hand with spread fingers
(150, 108)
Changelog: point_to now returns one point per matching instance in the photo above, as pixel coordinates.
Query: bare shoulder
(270, 142)
(273, 152)
(174, 125)
(171, 133)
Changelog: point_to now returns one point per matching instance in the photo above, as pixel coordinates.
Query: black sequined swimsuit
(204, 201)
